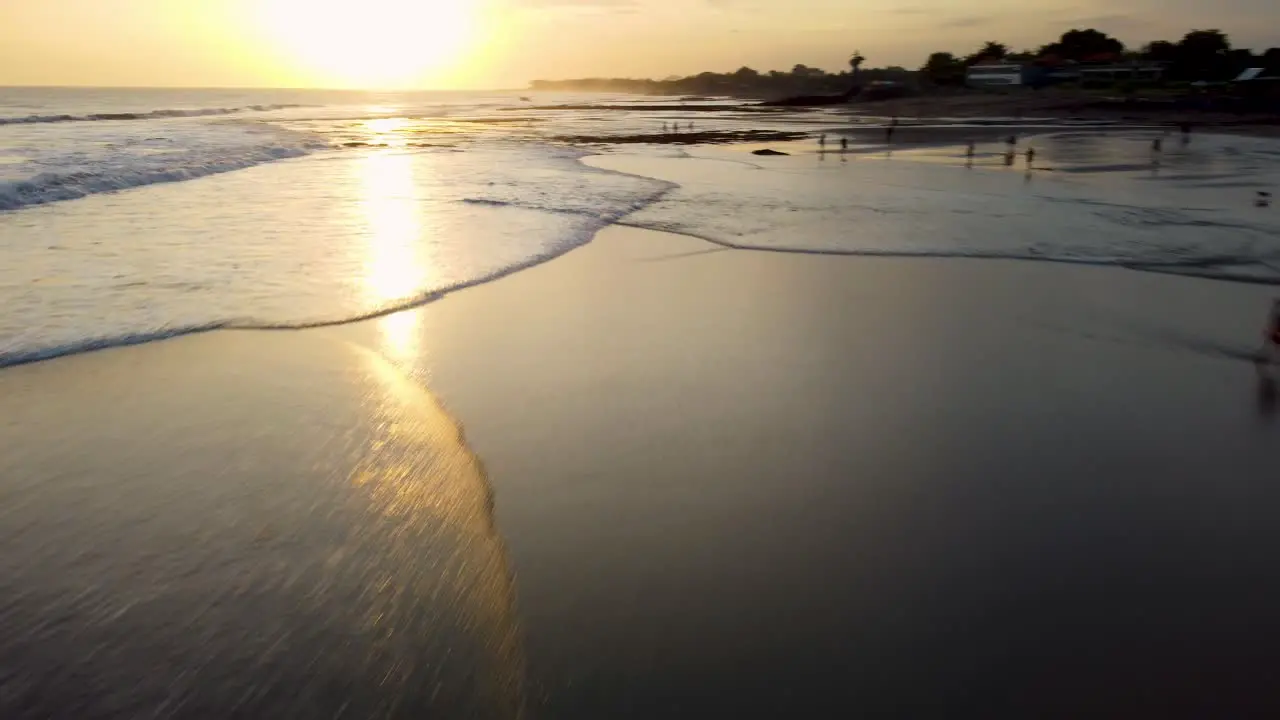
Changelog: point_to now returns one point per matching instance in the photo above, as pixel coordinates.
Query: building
(994, 75)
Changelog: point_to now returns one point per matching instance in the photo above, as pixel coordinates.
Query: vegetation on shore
(1201, 55)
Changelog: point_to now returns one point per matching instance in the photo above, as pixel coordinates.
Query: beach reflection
(442, 587)
(395, 267)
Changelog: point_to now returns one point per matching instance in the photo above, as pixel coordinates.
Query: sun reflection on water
(395, 267)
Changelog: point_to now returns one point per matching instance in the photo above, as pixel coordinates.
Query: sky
(489, 44)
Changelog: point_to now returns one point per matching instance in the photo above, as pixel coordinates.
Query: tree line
(1201, 55)
(799, 80)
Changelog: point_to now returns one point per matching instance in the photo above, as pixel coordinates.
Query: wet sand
(246, 524)
(1066, 104)
(738, 482)
(727, 483)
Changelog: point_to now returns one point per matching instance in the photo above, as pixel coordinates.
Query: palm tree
(855, 62)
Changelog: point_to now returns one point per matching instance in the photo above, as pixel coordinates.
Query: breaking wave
(149, 115)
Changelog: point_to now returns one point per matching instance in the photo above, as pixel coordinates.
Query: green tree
(1160, 51)
(1202, 55)
(943, 68)
(1205, 43)
(990, 50)
(1081, 45)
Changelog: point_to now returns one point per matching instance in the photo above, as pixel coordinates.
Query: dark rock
(704, 137)
(815, 100)
(768, 151)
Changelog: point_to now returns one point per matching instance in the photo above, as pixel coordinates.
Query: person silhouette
(822, 141)
(844, 145)
(1269, 353)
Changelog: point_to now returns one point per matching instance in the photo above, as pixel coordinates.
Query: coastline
(724, 480)
(658, 477)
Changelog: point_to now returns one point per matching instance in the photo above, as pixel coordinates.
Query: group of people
(889, 131)
(822, 143)
(673, 127)
(971, 149)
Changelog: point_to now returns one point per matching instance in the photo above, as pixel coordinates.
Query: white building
(993, 75)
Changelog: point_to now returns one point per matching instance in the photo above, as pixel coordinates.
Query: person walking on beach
(1269, 353)
(1185, 127)
(889, 130)
(844, 145)
(822, 141)
(1011, 150)
(1031, 157)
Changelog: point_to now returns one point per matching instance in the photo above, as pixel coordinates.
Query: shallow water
(121, 218)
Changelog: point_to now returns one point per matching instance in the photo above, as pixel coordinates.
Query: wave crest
(149, 115)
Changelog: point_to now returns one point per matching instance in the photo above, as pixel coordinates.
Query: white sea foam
(325, 239)
(38, 119)
(903, 208)
(393, 201)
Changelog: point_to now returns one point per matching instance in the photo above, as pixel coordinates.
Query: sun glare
(384, 44)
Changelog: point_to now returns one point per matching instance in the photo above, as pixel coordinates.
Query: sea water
(130, 215)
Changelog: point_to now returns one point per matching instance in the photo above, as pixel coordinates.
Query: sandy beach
(662, 433)
(722, 482)
(742, 482)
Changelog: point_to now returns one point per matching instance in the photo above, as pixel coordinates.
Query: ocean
(131, 215)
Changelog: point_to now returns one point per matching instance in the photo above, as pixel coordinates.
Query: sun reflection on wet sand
(431, 491)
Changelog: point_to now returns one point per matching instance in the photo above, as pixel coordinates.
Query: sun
(384, 44)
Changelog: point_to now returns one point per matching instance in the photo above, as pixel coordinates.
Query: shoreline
(652, 476)
(929, 136)
(723, 481)
(872, 438)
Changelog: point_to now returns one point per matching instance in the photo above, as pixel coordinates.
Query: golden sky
(505, 43)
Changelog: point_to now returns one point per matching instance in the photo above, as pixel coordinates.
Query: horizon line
(40, 86)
